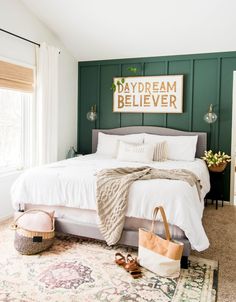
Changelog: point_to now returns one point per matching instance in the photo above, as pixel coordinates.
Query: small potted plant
(216, 162)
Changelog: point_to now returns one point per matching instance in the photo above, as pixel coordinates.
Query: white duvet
(72, 183)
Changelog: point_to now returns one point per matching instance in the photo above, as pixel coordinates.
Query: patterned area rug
(77, 270)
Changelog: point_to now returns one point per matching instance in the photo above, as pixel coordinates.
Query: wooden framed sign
(151, 94)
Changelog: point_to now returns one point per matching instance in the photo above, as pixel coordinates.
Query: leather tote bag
(161, 256)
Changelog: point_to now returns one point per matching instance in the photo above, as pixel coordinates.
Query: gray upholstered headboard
(201, 143)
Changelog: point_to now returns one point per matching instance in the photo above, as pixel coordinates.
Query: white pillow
(108, 144)
(135, 152)
(178, 147)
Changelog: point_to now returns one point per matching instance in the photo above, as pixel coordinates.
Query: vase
(71, 153)
(218, 168)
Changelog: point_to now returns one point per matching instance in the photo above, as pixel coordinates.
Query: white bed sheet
(72, 183)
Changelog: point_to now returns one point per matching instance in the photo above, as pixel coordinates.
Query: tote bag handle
(155, 212)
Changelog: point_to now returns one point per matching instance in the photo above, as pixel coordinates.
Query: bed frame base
(128, 238)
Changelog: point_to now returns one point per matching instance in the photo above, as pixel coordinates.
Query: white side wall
(6, 209)
(16, 18)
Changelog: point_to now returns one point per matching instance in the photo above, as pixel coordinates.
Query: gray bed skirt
(83, 223)
(128, 238)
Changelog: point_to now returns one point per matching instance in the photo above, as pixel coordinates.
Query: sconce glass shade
(92, 114)
(210, 117)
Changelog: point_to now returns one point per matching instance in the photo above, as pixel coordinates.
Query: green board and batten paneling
(208, 78)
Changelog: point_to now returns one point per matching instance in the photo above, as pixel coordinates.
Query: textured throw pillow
(160, 151)
(108, 143)
(135, 152)
(178, 147)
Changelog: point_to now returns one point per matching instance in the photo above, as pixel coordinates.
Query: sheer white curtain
(46, 104)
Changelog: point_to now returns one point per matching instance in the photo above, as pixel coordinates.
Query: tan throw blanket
(113, 189)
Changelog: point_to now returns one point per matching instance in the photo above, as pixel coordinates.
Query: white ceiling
(110, 29)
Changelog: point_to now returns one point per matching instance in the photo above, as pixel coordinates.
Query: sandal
(136, 274)
(131, 263)
(120, 259)
(133, 267)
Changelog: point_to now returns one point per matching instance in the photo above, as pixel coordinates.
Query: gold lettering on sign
(141, 100)
(155, 100)
(172, 101)
(171, 87)
(134, 103)
(146, 102)
(120, 88)
(164, 101)
(163, 86)
(127, 100)
(148, 87)
(120, 101)
(133, 86)
(155, 86)
(126, 90)
(140, 87)
(151, 94)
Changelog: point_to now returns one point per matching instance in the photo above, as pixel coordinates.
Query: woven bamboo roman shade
(16, 77)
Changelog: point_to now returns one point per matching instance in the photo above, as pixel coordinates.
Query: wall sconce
(210, 117)
(92, 114)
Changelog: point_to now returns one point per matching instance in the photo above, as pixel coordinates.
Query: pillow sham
(135, 152)
(178, 147)
(108, 143)
(160, 151)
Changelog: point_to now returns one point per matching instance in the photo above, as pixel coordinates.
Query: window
(15, 130)
(16, 112)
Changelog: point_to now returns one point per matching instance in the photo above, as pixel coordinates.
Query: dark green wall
(208, 79)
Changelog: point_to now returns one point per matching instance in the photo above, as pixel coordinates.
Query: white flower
(215, 158)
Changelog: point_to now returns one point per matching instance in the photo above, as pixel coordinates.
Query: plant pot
(218, 168)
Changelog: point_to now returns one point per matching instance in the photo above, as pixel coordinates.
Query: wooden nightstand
(217, 188)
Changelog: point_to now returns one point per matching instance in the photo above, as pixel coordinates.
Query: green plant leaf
(113, 87)
(132, 69)
(122, 80)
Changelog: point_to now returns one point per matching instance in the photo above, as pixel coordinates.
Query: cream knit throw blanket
(113, 189)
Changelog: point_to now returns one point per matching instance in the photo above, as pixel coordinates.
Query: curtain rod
(22, 38)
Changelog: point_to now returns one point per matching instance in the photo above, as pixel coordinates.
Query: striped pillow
(160, 151)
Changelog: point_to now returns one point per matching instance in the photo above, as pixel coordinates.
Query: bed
(69, 188)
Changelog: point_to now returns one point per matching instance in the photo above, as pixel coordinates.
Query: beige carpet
(220, 226)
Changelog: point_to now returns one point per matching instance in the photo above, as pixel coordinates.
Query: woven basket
(29, 242)
(218, 168)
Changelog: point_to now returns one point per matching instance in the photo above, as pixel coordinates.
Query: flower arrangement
(216, 161)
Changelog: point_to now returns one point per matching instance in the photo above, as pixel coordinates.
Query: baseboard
(226, 202)
(4, 218)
